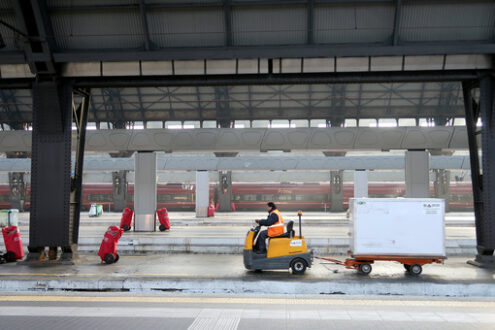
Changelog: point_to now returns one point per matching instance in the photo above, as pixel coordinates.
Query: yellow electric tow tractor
(283, 252)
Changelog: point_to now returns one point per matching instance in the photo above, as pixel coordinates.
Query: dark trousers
(260, 243)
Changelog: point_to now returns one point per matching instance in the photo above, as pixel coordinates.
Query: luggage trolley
(362, 263)
(410, 231)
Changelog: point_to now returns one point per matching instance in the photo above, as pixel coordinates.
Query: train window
(312, 197)
(285, 197)
(245, 197)
(174, 198)
(383, 195)
(4, 198)
(269, 197)
(100, 198)
(461, 198)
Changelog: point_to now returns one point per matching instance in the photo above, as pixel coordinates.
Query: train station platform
(326, 233)
(216, 273)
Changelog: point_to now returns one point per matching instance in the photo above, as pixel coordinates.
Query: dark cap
(272, 205)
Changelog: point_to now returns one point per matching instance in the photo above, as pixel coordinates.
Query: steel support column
(49, 223)
(483, 184)
(80, 116)
(225, 191)
(441, 186)
(17, 190)
(119, 192)
(336, 191)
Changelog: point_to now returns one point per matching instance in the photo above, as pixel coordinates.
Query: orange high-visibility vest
(278, 227)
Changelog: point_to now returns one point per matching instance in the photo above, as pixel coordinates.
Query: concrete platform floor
(177, 311)
(213, 273)
(159, 310)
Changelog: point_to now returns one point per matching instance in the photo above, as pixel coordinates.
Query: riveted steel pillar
(225, 191)
(49, 223)
(483, 184)
(336, 191)
(119, 193)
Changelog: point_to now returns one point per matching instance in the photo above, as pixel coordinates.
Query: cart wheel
(116, 257)
(162, 228)
(415, 269)
(109, 258)
(298, 266)
(9, 256)
(365, 268)
(407, 267)
(126, 227)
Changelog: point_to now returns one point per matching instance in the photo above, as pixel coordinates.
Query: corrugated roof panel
(12, 41)
(435, 21)
(6, 4)
(70, 3)
(353, 23)
(178, 1)
(269, 25)
(187, 27)
(97, 29)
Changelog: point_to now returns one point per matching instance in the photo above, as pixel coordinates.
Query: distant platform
(326, 233)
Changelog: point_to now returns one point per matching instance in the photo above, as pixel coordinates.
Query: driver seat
(289, 233)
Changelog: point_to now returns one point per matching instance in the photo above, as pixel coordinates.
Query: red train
(254, 196)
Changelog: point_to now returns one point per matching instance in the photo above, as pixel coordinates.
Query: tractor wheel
(126, 227)
(116, 257)
(162, 228)
(298, 266)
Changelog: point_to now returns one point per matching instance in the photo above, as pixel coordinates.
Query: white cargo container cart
(406, 230)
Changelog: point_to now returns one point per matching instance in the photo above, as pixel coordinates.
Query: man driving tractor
(275, 224)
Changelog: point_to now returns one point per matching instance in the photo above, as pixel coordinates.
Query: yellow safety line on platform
(103, 275)
(260, 301)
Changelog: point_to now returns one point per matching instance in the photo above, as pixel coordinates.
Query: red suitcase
(211, 210)
(164, 219)
(13, 244)
(125, 221)
(108, 247)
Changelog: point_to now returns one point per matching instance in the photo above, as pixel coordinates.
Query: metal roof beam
(33, 18)
(279, 79)
(310, 21)
(227, 8)
(280, 51)
(397, 21)
(144, 22)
